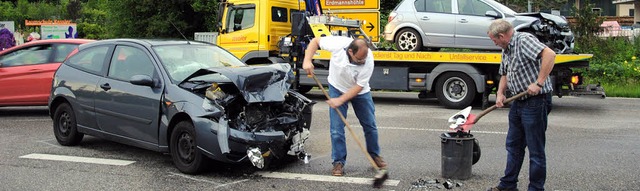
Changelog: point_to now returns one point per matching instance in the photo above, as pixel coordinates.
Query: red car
(26, 70)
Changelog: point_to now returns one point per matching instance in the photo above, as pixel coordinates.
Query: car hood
(558, 20)
(266, 83)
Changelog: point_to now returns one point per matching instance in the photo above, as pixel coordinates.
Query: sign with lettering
(370, 22)
(47, 22)
(58, 31)
(349, 4)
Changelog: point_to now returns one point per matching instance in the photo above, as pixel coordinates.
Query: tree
(155, 19)
(537, 5)
(73, 9)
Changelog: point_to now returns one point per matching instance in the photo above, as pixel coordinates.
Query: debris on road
(430, 184)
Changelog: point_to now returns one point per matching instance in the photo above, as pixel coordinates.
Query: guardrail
(628, 33)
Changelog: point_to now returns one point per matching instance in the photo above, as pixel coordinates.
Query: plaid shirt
(521, 63)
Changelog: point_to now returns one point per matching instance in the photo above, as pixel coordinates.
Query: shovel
(473, 119)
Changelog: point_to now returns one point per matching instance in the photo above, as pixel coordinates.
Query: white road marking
(29, 120)
(53, 145)
(192, 178)
(324, 178)
(207, 181)
(230, 183)
(78, 159)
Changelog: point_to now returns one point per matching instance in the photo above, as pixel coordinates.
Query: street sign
(349, 4)
(370, 22)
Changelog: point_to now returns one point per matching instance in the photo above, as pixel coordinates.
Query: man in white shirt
(350, 69)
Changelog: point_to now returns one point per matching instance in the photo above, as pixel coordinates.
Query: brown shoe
(337, 169)
(380, 162)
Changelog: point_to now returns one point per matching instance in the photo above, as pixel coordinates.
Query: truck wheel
(455, 90)
(408, 40)
(65, 127)
(184, 150)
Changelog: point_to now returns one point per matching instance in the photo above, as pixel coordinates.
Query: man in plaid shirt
(526, 64)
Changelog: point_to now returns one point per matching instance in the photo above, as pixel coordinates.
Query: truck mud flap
(588, 91)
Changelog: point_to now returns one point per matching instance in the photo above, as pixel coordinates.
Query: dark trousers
(527, 127)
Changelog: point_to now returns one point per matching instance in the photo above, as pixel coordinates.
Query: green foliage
(155, 19)
(622, 90)
(387, 6)
(615, 60)
(587, 22)
(536, 5)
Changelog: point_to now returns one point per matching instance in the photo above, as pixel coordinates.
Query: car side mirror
(492, 14)
(142, 80)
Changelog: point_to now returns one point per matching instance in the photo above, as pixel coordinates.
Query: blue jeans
(527, 126)
(365, 111)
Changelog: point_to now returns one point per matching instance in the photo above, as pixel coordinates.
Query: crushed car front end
(250, 114)
(552, 30)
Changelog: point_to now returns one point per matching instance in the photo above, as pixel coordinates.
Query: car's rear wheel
(184, 151)
(455, 90)
(408, 40)
(65, 127)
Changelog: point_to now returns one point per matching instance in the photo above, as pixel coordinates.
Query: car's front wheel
(184, 151)
(408, 40)
(65, 127)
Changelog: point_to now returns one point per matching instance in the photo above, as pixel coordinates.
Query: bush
(615, 60)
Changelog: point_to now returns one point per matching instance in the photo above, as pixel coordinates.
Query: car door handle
(463, 21)
(425, 18)
(105, 87)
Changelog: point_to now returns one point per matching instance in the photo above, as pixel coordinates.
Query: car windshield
(501, 7)
(180, 61)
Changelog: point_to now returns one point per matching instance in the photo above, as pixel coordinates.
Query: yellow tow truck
(276, 31)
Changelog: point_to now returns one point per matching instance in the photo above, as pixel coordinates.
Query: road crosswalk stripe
(78, 159)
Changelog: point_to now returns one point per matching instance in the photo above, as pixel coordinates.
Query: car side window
(128, 61)
(435, 6)
(241, 17)
(27, 56)
(62, 51)
(90, 60)
(473, 7)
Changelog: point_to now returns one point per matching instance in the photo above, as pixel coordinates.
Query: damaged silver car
(193, 100)
(433, 24)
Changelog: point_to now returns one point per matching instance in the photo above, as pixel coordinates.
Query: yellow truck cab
(251, 29)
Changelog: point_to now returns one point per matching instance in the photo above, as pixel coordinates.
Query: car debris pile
(429, 184)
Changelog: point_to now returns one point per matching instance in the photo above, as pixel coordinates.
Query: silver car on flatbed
(433, 24)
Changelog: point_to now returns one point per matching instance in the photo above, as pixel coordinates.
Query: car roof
(51, 41)
(144, 42)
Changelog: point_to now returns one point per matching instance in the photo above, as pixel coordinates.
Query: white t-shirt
(342, 74)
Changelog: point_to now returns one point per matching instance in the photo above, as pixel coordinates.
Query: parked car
(433, 24)
(26, 70)
(193, 100)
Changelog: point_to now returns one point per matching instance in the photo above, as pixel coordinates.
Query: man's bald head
(358, 44)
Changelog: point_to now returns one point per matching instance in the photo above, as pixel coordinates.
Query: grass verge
(622, 90)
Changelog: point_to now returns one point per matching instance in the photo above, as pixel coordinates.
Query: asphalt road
(592, 144)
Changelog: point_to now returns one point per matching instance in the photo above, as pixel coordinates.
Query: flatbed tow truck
(257, 32)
